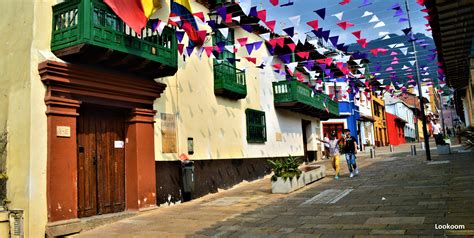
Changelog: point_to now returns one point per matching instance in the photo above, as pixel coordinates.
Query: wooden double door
(101, 160)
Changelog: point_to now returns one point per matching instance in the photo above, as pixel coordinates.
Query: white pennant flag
(265, 36)
(392, 45)
(379, 24)
(176, 19)
(384, 33)
(400, 45)
(237, 19)
(386, 37)
(374, 19)
(404, 50)
(357, 61)
(224, 32)
(292, 66)
(367, 13)
(161, 27)
(362, 70)
(380, 81)
(246, 5)
(405, 67)
(338, 15)
(295, 20)
(412, 62)
(229, 48)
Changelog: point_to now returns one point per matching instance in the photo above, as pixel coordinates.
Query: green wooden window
(218, 37)
(256, 126)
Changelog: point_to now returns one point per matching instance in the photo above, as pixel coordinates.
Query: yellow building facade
(380, 128)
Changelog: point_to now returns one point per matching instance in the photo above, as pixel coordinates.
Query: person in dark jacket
(350, 150)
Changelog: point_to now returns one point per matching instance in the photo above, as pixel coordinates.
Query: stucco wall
(25, 28)
(217, 124)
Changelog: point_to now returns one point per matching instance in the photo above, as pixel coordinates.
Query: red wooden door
(101, 161)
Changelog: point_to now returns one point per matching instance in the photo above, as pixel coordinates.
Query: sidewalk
(394, 195)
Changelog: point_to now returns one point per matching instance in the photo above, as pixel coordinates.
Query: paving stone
(387, 232)
(395, 220)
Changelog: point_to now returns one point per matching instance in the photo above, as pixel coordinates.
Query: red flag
(131, 12)
(356, 34)
(251, 59)
(271, 24)
(274, 2)
(292, 46)
(262, 15)
(344, 2)
(199, 15)
(344, 24)
(314, 24)
(242, 41)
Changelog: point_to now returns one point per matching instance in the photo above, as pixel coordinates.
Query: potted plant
(286, 175)
(446, 139)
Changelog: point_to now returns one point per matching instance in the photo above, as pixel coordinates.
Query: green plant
(285, 168)
(468, 135)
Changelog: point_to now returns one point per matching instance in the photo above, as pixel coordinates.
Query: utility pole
(420, 93)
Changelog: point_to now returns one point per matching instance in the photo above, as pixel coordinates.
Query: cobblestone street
(394, 195)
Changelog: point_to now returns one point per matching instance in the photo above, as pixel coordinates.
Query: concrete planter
(313, 173)
(443, 149)
(309, 175)
(287, 186)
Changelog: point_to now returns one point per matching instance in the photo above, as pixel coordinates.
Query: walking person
(437, 132)
(350, 149)
(332, 145)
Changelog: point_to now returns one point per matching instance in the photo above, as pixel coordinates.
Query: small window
(256, 126)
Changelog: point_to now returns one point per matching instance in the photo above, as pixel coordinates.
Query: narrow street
(395, 194)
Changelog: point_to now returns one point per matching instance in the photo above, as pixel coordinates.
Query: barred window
(256, 126)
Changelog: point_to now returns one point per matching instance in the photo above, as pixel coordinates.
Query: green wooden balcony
(88, 32)
(297, 97)
(229, 81)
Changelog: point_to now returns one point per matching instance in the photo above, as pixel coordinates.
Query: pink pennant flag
(180, 48)
(242, 41)
(262, 15)
(314, 24)
(302, 54)
(277, 66)
(199, 15)
(393, 53)
(280, 41)
(271, 24)
(328, 61)
(292, 46)
(356, 34)
(208, 50)
(389, 69)
(344, 24)
(362, 42)
(344, 2)
(228, 18)
(273, 43)
(251, 59)
(274, 2)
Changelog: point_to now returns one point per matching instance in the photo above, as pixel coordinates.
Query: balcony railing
(229, 81)
(297, 96)
(91, 23)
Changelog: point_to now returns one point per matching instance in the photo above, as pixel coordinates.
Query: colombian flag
(182, 9)
(135, 13)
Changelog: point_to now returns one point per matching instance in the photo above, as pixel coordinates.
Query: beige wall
(217, 124)
(25, 29)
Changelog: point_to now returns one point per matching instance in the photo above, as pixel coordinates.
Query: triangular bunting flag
(321, 12)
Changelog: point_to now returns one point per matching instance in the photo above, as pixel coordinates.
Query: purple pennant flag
(340, 46)
(334, 40)
(325, 34)
(403, 19)
(395, 6)
(249, 47)
(221, 45)
(212, 24)
(189, 50)
(179, 36)
(322, 66)
(399, 13)
(253, 12)
(222, 11)
(285, 58)
(327, 72)
(318, 33)
(365, 3)
(247, 28)
(290, 31)
(257, 44)
(154, 24)
(309, 64)
(321, 12)
(378, 68)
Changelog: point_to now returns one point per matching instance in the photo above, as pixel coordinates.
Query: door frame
(67, 87)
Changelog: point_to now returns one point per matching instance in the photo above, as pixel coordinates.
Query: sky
(352, 13)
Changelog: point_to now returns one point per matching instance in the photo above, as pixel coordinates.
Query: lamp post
(420, 93)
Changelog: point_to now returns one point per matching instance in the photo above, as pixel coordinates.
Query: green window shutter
(256, 126)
